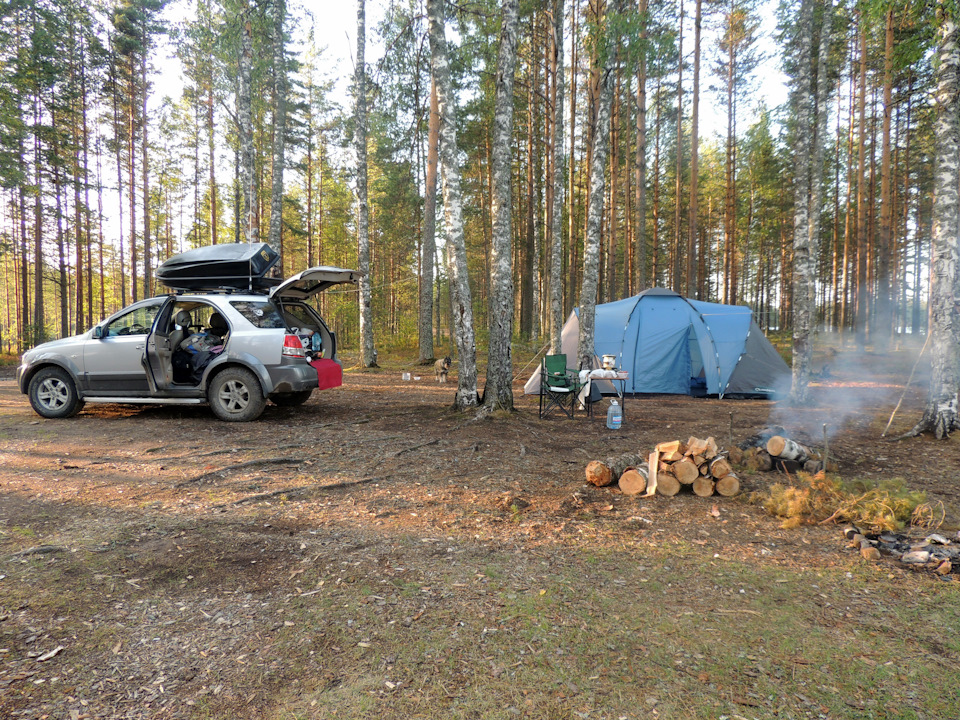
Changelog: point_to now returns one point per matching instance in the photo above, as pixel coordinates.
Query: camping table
(617, 378)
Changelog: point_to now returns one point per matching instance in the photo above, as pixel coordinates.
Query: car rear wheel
(53, 394)
(291, 399)
(235, 395)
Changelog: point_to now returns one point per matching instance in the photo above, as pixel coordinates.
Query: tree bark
(883, 325)
(428, 237)
(591, 249)
(274, 236)
(460, 298)
(940, 416)
(368, 353)
(248, 179)
(498, 392)
(810, 102)
(691, 275)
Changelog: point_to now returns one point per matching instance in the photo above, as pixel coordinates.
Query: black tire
(53, 394)
(291, 399)
(235, 395)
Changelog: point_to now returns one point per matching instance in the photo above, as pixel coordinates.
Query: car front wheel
(235, 395)
(53, 394)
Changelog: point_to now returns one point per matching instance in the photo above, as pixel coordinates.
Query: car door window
(135, 322)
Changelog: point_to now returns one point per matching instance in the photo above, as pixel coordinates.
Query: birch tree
(428, 239)
(368, 353)
(248, 178)
(810, 104)
(498, 392)
(604, 58)
(460, 298)
(279, 124)
(940, 415)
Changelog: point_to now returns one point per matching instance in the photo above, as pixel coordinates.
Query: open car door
(310, 282)
(158, 353)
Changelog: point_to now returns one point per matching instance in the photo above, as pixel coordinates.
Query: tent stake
(826, 448)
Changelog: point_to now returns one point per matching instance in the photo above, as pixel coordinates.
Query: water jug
(614, 415)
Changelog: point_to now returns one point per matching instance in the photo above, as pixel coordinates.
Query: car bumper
(293, 378)
(22, 378)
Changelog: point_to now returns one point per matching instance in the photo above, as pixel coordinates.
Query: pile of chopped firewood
(698, 464)
(773, 450)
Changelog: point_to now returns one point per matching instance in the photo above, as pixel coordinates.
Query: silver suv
(231, 350)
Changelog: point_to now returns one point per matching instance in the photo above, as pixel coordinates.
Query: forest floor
(375, 554)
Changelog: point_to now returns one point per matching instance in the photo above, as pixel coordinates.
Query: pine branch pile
(822, 498)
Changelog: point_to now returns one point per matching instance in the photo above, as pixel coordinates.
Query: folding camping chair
(558, 386)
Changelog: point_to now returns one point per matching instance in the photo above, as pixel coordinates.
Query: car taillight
(293, 347)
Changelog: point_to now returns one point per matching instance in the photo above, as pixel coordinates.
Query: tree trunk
(861, 309)
(591, 249)
(810, 103)
(498, 392)
(556, 214)
(248, 179)
(883, 325)
(940, 416)
(428, 240)
(274, 234)
(368, 353)
(145, 171)
(640, 238)
(460, 298)
(678, 234)
(691, 286)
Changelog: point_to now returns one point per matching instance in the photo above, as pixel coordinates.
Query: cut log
(665, 448)
(686, 471)
(671, 457)
(720, 468)
(633, 481)
(666, 468)
(728, 485)
(703, 486)
(704, 468)
(787, 449)
(601, 473)
(757, 459)
(696, 446)
(735, 455)
(653, 477)
(712, 449)
(598, 473)
(667, 485)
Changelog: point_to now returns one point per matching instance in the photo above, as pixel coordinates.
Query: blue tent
(671, 344)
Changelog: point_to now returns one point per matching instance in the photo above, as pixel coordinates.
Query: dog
(442, 369)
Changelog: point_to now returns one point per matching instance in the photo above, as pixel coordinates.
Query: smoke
(854, 389)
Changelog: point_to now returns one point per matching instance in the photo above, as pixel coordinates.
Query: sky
(336, 27)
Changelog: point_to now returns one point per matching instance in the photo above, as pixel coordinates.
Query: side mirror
(97, 332)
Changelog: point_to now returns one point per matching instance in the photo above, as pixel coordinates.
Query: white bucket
(609, 362)
(406, 376)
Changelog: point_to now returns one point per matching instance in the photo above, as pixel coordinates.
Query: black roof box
(233, 266)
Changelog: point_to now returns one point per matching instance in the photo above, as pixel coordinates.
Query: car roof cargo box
(232, 266)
